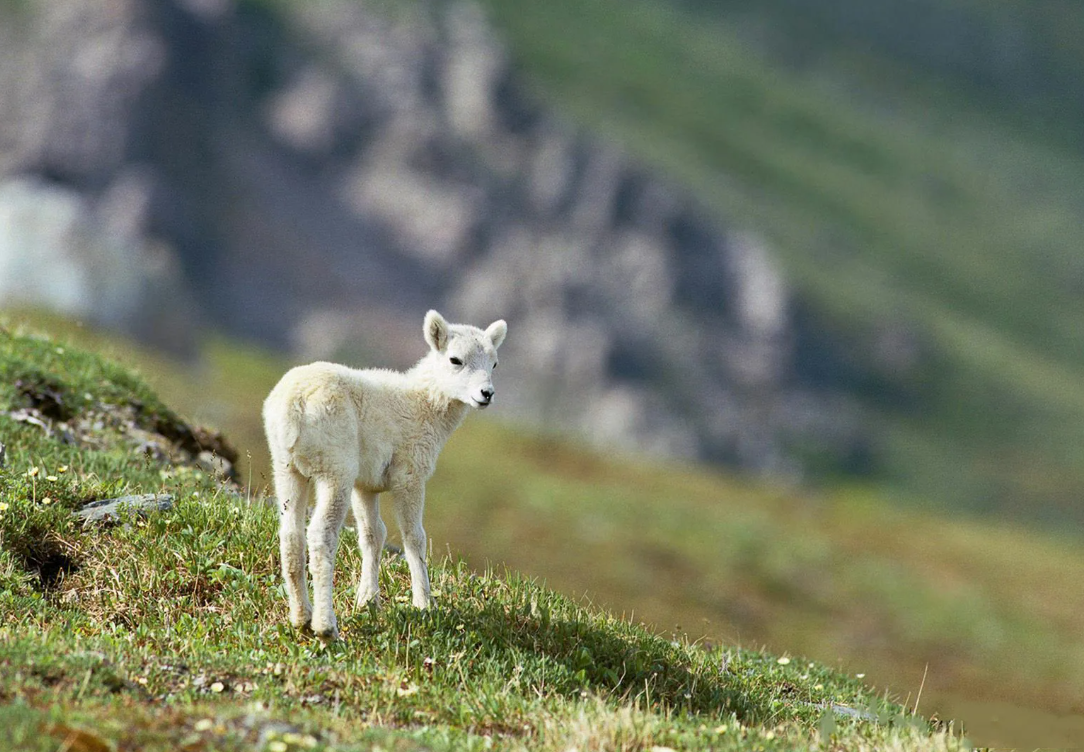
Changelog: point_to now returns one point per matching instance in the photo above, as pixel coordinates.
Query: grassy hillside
(995, 612)
(168, 631)
(930, 215)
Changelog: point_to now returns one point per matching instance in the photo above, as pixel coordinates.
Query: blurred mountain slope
(318, 175)
(915, 165)
(772, 237)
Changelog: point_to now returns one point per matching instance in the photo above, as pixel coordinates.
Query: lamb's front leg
(409, 505)
(332, 500)
(371, 536)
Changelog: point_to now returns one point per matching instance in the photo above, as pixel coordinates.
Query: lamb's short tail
(282, 424)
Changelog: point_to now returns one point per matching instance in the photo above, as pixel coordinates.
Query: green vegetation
(168, 631)
(845, 579)
(993, 611)
(931, 218)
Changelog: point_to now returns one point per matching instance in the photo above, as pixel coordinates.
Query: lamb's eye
(456, 361)
(495, 366)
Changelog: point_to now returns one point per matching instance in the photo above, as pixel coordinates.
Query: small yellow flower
(32, 472)
(51, 478)
(204, 724)
(217, 687)
(3, 506)
(46, 501)
(406, 690)
(783, 661)
(62, 469)
(277, 746)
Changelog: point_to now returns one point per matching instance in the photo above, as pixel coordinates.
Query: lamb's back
(326, 417)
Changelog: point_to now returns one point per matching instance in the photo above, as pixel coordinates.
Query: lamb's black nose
(487, 394)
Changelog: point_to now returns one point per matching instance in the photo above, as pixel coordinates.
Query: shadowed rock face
(319, 177)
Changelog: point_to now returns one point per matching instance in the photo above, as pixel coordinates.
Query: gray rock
(112, 509)
(219, 467)
(59, 251)
(849, 712)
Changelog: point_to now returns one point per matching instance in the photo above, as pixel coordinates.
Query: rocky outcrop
(113, 510)
(62, 250)
(319, 175)
(155, 433)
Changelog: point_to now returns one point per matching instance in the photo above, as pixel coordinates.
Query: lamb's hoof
(303, 623)
(326, 632)
(328, 635)
(372, 603)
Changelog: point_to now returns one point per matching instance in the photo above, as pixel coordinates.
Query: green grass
(169, 631)
(849, 578)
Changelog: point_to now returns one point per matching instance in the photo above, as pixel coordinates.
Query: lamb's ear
(436, 331)
(496, 332)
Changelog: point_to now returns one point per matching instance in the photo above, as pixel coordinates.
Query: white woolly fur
(354, 434)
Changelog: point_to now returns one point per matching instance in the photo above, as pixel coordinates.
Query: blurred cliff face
(318, 177)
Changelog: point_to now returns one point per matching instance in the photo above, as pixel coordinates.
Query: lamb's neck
(451, 417)
(444, 415)
(445, 412)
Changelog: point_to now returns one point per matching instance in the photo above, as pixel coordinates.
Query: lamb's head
(463, 358)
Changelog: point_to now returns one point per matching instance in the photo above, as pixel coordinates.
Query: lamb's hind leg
(291, 489)
(371, 536)
(332, 501)
(409, 505)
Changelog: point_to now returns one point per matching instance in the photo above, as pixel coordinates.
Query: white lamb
(355, 434)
